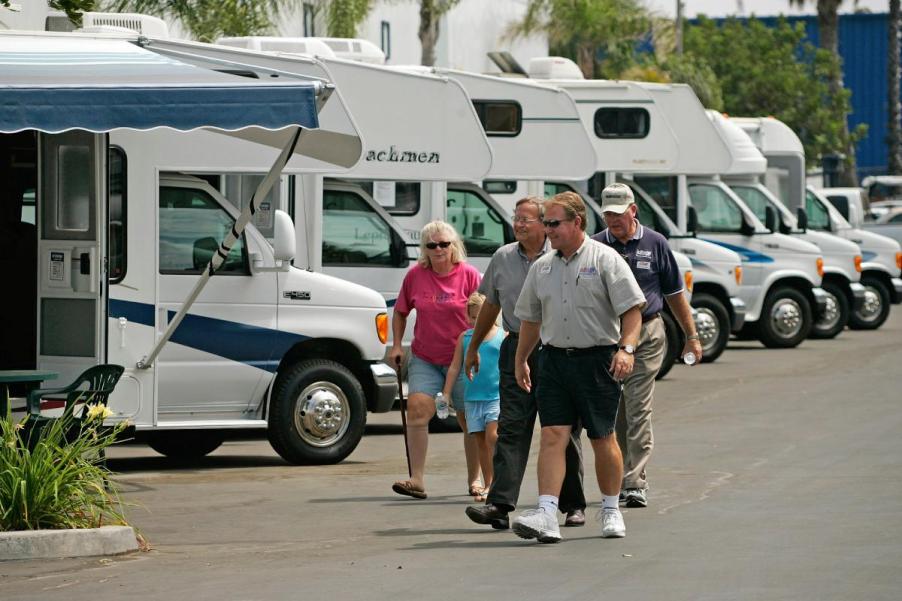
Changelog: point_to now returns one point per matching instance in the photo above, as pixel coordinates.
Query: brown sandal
(406, 488)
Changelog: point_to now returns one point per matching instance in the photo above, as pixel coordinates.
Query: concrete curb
(47, 544)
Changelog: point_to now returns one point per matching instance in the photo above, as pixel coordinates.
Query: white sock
(548, 503)
(611, 501)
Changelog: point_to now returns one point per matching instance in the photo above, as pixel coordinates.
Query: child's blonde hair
(475, 300)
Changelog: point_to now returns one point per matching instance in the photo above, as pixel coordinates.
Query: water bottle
(689, 359)
(441, 406)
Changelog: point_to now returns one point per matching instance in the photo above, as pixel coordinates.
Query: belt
(650, 317)
(576, 352)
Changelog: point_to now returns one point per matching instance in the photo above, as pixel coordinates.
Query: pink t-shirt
(441, 305)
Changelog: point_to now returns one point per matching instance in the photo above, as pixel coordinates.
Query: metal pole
(225, 247)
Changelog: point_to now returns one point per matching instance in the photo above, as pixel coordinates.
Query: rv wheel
(785, 318)
(185, 445)
(317, 413)
(834, 319)
(713, 325)
(875, 309)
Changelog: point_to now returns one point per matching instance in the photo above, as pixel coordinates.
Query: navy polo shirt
(649, 257)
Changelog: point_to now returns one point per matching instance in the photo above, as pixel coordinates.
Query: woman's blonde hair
(458, 254)
(475, 300)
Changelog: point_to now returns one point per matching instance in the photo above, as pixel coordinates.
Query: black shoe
(489, 514)
(575, 518)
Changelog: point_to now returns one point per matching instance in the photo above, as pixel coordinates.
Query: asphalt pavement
(777, 475)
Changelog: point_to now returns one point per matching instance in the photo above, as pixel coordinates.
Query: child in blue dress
(482, 400)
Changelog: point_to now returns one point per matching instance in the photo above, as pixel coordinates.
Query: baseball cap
(616, 198)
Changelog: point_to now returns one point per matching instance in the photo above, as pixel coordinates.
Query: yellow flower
(98, 410)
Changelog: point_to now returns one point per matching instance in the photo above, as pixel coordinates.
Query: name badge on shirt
(643, 253)
(545, 269)
(643, 264)
(590, 272)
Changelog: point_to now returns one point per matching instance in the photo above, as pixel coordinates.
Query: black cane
(404, 418)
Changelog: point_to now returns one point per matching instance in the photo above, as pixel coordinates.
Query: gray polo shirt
(503, 280)
(579, 300)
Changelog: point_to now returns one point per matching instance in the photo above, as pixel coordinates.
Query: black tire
(713, 324)
(317, 413)
(185, 445)
(785, 318)
(672, 346)
(835, 317)
(875, 310)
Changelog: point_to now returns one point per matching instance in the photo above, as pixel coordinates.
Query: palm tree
(431, 12)
(828, 32)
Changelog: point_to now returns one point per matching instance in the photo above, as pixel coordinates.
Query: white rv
(124, 259)
(634, 132)
(842, 258)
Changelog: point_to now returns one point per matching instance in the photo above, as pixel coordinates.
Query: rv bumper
(820, 301)
(738, 313)
(858, 295)
(385, 388)
(897, 291)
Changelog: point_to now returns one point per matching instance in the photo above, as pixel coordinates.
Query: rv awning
(55, 83)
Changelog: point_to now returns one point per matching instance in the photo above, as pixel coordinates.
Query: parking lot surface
(777, 474)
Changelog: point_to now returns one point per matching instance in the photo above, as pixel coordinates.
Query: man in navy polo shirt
(655, 268)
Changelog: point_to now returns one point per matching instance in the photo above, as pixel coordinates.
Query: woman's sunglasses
(434, 245)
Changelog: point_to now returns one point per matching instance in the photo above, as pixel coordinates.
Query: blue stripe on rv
(258, 347)
(748, 255)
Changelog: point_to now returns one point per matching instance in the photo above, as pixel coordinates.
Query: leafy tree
(431, 12)
(588, 29)
(774, 71)
(72, 8)
(207, 20)
(344, 16)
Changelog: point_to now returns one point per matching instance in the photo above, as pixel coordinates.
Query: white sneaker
(536, 523)
(612, 525)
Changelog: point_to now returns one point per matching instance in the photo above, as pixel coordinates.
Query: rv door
(71, 251)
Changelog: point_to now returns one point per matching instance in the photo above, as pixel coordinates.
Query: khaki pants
(634, 433)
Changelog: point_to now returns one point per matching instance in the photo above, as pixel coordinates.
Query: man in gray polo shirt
(585, 305)
(501, 286)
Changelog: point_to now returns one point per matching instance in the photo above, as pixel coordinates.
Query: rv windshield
(758, 201)
(818, 216)
(717, 212)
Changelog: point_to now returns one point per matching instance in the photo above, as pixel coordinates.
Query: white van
(131, 262)
(842, 258)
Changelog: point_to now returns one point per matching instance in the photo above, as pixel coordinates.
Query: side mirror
(691, 221)
(284, 244)
(770, 219)
(802, 218)
(203, 251)
(746, 228)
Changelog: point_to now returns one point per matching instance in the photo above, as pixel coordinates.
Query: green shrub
(61, 481)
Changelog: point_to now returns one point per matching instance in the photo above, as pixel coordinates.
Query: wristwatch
(629, 349)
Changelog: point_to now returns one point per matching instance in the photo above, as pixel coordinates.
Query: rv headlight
(858, 262)
(688, 279)
(820, 267)
(382, 327)
(738, 274)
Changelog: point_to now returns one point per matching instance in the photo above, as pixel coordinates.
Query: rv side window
(499, 186)
(118, 213)
(480, 226)
(398, 198)
(499, 118)
(618, 122)
(754, 199)
(192, 225)
(818, 217)
(716, 211)
(355, 234)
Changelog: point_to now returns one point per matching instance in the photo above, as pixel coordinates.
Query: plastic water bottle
(689, 359)
(441, 406)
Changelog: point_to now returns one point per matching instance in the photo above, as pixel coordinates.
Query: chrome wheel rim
(831, 315)
(871, 307)
(322, 414)
(786, 317)
(707, 327)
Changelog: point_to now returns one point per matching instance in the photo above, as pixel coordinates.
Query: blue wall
(863, 47)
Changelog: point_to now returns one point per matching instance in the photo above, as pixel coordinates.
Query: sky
(761, 8)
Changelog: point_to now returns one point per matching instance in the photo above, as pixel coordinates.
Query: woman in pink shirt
(437, 287)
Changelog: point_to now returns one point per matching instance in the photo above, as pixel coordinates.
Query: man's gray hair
(533, 201)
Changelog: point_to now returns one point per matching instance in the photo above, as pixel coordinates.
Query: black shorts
(576, 385)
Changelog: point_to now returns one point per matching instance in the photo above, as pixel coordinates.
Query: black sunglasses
(553, 223)
(434, 245)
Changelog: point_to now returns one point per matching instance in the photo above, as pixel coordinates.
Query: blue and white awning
(56, 83)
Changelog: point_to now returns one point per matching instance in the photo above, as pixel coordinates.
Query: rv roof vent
(311, 46)
(553, 67)
(117, 22)
(363, 51)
